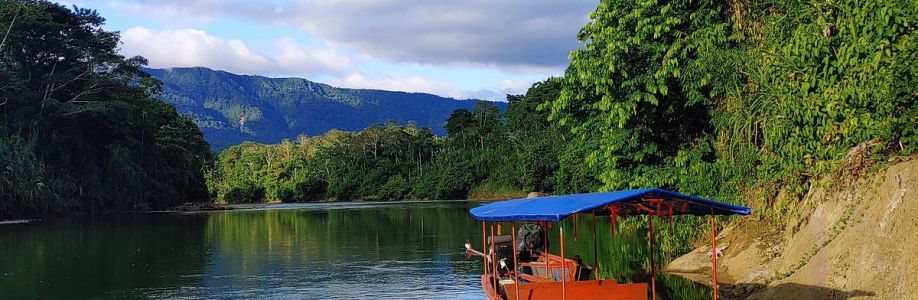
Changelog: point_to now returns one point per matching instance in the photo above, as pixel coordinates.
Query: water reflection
(623, 256)
(345, 251)
(95, 257)
(390, 251)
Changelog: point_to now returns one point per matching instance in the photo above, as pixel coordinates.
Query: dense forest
(80, 130)
(733, 100)
(486, 153)
(703, 97)
(232, 108)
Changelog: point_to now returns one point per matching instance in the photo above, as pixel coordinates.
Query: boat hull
(585, 289)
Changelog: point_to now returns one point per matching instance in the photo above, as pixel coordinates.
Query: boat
(519, 266)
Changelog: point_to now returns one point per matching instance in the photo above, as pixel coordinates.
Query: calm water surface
(308, 251)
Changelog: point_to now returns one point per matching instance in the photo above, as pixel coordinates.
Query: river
(410, 250)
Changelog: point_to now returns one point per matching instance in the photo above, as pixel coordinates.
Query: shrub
(396, 188)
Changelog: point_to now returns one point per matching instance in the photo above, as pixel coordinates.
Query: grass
(495, 191)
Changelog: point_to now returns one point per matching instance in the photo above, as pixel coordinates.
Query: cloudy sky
(463, 49)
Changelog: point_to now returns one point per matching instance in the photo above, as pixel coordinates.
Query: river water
(302, 251)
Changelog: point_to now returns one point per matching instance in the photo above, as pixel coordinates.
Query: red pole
(484, 247)
(545, 247)
(561, 235)
(595, 252)
(670, 220)
(612, 217)
(493, 255)
(714, 252)
(516, 275)
(653, 276)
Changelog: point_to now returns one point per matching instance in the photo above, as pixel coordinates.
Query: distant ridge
(233, 108)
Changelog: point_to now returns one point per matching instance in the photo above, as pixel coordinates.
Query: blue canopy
(627, 202)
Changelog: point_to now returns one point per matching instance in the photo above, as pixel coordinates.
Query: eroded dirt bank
(849, 238)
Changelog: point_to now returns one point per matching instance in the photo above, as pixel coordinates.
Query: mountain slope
(232, 108)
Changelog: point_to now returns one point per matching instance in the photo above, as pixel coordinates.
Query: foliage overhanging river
(341, 250)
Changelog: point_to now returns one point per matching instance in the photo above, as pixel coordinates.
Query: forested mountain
(232, 108)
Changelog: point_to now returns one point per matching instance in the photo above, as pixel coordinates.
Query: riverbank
(850, 237)
(292, 205)
(350, 203)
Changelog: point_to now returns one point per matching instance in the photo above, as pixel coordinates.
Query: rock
(536, 194)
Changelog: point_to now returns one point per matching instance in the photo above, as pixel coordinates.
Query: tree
(89, 116)
(641, 87)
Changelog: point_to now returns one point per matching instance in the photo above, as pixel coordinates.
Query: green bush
(396, 188)
(425, 186)
(244, 192)
(824, 78)
(25, 190)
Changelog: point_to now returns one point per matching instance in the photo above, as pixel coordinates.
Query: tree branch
(13, 22)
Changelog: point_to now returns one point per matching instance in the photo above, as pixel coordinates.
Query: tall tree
(641, 87)
(88, 114)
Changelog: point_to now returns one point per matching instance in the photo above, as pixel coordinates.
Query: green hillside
(232, 108)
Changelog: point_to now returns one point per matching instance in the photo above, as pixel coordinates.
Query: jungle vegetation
(733, 100)
(485, 153)
(80, 130)
(709, 98)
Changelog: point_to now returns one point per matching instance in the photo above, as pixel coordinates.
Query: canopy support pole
(670, 219)
(653, 276)
(516, 269)
(613, 214)
(563, 286)
(493, 254)
(484, 247)
(545, 249)
(714, 253)
(595, 252)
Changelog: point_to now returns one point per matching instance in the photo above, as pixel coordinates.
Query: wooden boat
(532, 273)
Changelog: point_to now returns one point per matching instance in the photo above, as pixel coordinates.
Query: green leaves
(702, 96)
(641, 84)
(85, 113)
(486, 152)
(826, 77)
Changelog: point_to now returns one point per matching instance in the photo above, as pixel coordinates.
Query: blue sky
(463, 49)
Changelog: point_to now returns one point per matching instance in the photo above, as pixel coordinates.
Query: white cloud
(514, 35)
(196, 11)
(496, 92)
(291, 56)
(514, 84)
(197, 48)
(505, 34)
(398, 83)
(193, 48)
(530, 39)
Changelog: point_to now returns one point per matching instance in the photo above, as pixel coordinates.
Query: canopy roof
(625, 203)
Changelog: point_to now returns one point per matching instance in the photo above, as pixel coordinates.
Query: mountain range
(231, 108)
